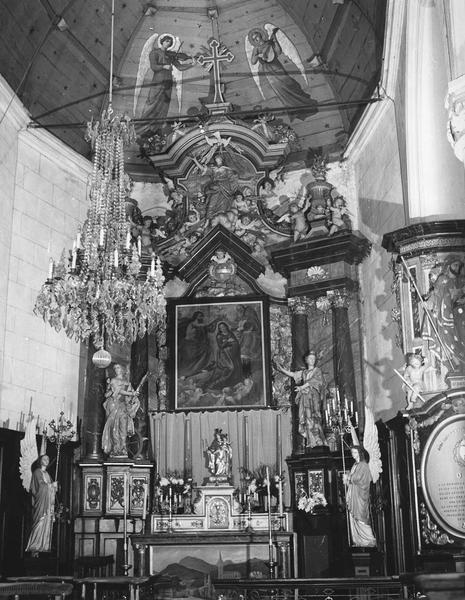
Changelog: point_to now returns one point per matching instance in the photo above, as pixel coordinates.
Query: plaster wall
(46, 200)
(381, 209)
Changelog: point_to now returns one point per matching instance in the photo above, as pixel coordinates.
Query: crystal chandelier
(102, 289)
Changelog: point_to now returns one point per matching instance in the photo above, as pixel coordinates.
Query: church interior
(232, 328)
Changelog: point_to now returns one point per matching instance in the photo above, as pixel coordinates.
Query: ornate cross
(219, 54)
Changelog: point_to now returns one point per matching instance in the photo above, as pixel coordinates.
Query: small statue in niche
(413, 374)
(219, 455)
(338, 215)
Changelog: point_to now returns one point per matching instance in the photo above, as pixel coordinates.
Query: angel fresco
(263, 48)
(161, 53)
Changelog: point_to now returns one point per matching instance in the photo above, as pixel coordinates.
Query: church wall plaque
(221, 354)
(443, 475)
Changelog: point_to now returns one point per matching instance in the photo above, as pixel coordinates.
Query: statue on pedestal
(121, 405)
(219, 455)
(310, 398)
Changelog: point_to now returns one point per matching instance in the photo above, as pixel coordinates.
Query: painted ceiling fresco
(310, 65)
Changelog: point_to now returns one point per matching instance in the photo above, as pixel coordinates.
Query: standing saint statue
(219, 456)
(121, 405)
(311, 393)
(43, 491)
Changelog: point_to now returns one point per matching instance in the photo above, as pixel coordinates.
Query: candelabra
(62, 433)
(100, 290)
(339, 417)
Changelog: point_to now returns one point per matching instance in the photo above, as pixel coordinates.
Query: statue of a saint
(43, 491)
(311, 393)
(121, 405)
(219, 456)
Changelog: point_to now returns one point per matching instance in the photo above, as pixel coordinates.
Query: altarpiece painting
(220, 354)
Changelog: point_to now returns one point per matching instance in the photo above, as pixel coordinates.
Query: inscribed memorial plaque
(443, 475)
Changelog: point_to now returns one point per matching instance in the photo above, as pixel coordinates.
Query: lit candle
(152, 266)
(144, 509)
(116, 257)
(50, 268)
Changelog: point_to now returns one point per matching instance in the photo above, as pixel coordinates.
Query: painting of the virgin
(220, 354)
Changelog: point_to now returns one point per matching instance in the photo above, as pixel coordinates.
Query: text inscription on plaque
(443, 475)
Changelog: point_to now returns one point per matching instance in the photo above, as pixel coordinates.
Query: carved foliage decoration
(281, 345)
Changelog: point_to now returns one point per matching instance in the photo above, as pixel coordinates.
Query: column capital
(340, 298)
(455, 104)
(300, 305)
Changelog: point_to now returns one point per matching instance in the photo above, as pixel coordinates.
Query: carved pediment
(220, 259)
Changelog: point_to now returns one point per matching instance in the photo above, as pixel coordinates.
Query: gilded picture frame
(221, 354)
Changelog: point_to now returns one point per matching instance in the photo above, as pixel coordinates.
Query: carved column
(299, 308)
(139, 367)
(93, 418)
(343, 357)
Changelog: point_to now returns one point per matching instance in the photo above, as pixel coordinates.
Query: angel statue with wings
(161, 54)
(263, 48)
(366, 469)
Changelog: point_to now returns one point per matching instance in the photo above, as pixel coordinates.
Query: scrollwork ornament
(430, 532)
(411, 429)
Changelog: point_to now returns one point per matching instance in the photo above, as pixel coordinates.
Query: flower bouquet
(174, 490)
(308, 502)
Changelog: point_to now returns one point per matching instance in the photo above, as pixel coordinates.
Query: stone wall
(44, 189)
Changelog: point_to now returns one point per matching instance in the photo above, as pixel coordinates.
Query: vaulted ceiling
(56, 55)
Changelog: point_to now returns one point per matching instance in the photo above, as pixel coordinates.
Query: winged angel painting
(366, 469)
(162, 56)
(264, 48)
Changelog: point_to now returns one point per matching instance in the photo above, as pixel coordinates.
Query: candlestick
(246, 443)
(51, 266)
(270, 539)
